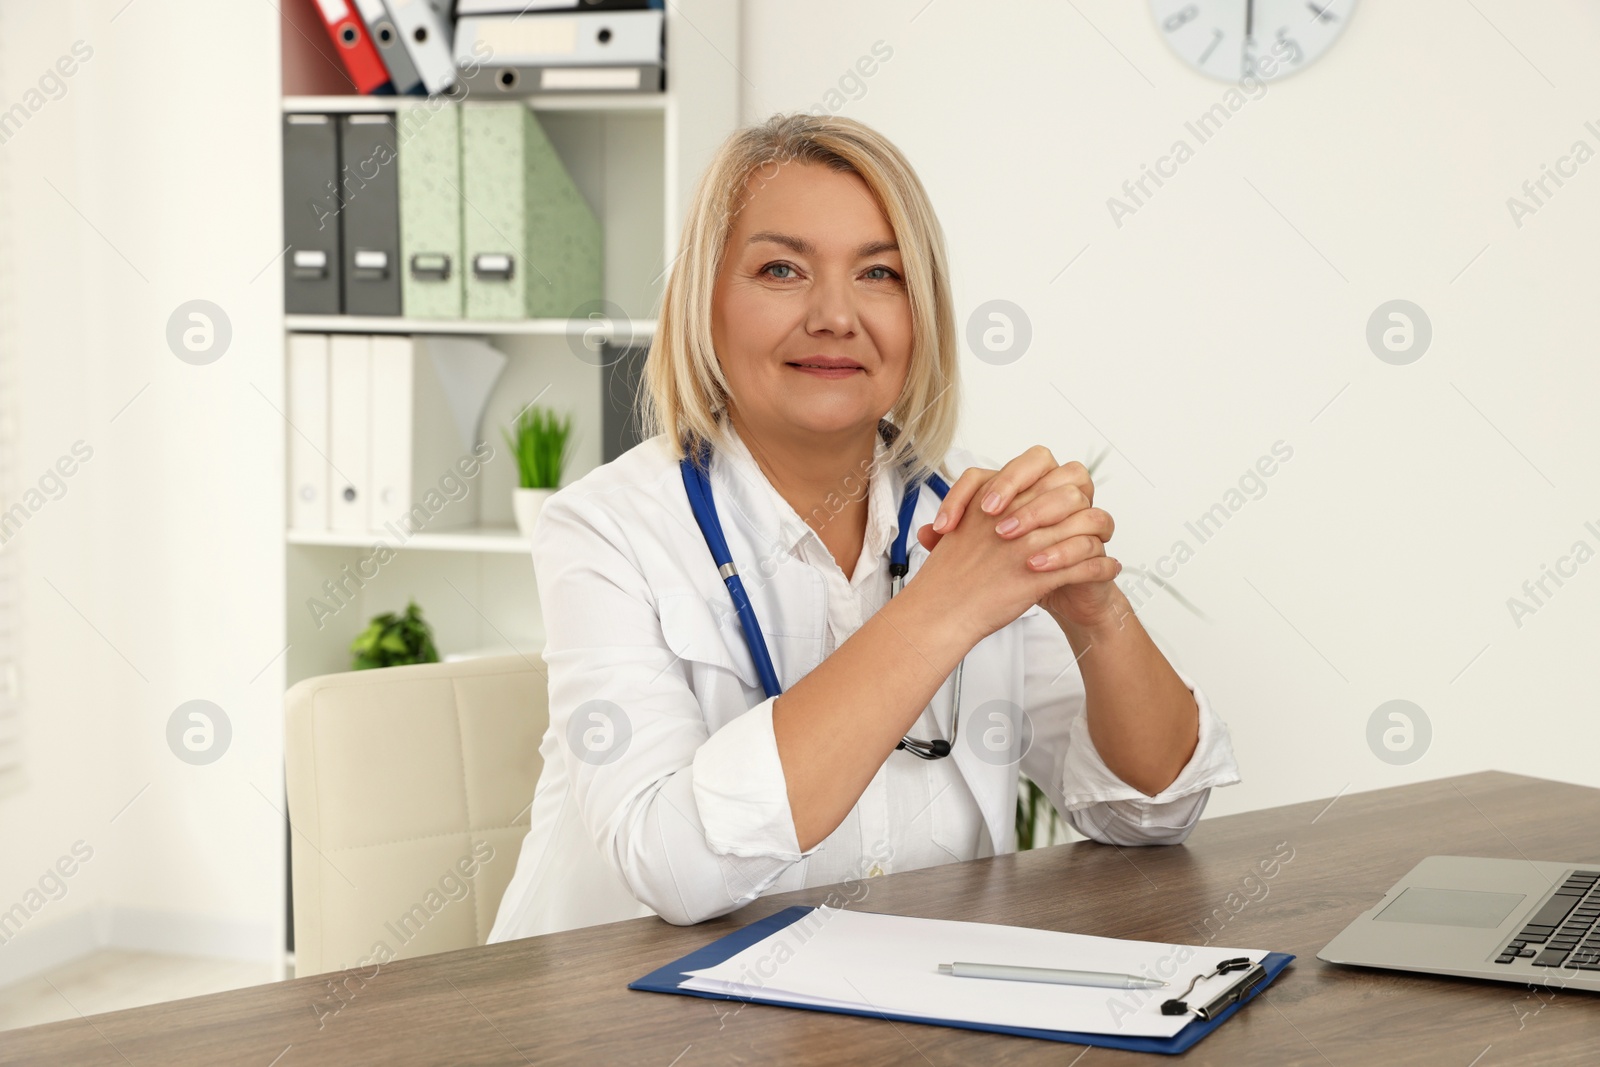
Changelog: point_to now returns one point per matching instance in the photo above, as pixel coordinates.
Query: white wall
(156, 579)
(1227, 312)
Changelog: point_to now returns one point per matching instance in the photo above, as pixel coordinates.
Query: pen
(1105, 979)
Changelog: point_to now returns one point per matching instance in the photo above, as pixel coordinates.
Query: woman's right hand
(984, 580)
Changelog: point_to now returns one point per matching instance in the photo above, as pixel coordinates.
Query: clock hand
(1249, 39)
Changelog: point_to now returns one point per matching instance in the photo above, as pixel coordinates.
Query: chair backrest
(409, 790)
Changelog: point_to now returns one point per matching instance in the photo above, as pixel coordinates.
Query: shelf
(641, 328)
(470, 539)
(617, 102)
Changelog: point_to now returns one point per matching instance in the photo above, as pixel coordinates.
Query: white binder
(349, 422)
(590, 38)
(308, 431)
(588, 51)
(529, 7)
(426, 34)
(428, 396)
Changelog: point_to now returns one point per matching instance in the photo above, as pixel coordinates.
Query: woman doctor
(806, 354)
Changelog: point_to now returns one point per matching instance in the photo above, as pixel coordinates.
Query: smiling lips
(828, 366)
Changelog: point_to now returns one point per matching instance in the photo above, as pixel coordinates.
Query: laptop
(1523, 921)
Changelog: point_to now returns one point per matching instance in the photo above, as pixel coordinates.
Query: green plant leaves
(540, 444)
(392, 640)
(1032, 802)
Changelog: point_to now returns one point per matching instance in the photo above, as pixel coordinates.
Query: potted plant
(393, 640)
(539, 441)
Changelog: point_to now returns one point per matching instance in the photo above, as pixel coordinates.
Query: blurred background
(1328, 329)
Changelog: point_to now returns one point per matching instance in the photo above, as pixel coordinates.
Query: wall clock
(1231, 39)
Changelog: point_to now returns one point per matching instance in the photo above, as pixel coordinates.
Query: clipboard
(668, 979)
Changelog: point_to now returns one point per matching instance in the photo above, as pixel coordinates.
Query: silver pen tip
(947, 968)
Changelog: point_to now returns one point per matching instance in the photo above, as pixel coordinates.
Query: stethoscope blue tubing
(696, 481)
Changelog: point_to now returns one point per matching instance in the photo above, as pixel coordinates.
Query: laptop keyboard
(1563, 933)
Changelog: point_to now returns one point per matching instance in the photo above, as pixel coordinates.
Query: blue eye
(886, 274)
(778, 266)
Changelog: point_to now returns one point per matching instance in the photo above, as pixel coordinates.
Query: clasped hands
(1050, 506)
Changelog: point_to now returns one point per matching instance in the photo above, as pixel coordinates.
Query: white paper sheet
(890, 963)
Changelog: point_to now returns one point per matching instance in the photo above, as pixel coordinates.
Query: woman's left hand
(1035, 492)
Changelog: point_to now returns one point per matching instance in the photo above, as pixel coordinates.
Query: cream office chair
(408, 791)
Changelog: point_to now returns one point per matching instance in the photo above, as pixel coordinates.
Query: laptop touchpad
(1450, 907)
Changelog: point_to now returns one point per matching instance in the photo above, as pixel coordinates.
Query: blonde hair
(684, 390)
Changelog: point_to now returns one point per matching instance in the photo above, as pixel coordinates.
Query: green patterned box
(521, 209)
(431, 264)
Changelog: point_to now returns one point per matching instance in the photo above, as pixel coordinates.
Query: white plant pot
(525, 505)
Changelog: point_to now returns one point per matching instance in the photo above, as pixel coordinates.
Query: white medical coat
(662, 791)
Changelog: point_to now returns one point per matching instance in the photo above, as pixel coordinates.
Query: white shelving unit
(637, 330)
(472, 539)
(615, 102)
(635, 157)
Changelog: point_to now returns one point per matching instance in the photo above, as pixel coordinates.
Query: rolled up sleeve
(1064, 762)
(741, 792)
(695, 823)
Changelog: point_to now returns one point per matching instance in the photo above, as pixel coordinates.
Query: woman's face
(811, 272)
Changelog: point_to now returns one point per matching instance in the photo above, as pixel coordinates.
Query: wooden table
(562, 998)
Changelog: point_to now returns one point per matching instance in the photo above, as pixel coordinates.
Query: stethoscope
(696, 481)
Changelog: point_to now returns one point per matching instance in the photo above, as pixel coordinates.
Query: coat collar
(772, 520)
